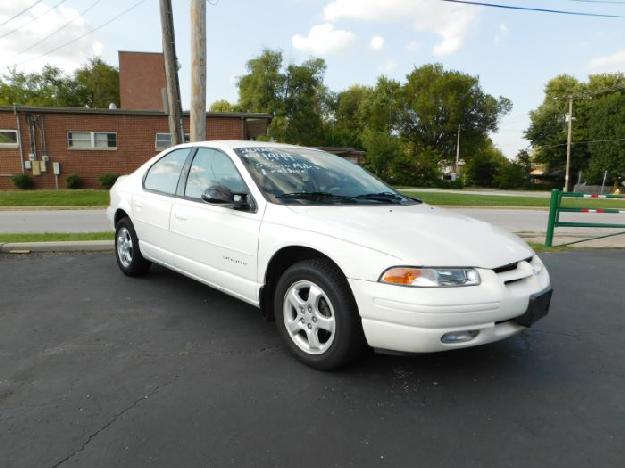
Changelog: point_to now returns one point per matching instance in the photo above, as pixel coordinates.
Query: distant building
(448, 171)
(91, 142)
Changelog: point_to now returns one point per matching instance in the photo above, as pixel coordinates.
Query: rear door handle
(180, 218)
(138, 204)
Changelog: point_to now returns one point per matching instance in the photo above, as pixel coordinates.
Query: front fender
(355, 261)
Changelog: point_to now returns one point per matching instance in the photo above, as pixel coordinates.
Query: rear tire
(317, 316)
(127, 251)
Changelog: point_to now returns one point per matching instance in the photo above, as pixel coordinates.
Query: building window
(92, 140)
(163, 140)
(8, 139)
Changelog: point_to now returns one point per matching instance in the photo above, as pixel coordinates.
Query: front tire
(127, 252)
(317, 316)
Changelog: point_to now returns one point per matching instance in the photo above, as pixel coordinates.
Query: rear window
(164, 174)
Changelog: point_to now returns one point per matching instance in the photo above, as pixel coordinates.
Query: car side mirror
(220, 195)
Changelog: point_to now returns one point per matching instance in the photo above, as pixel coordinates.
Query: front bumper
(414, 320)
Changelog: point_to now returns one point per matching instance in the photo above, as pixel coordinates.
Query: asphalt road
(95, 220)
(100, 370)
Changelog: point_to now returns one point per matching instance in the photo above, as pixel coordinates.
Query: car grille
(512, 266)
(514, 272)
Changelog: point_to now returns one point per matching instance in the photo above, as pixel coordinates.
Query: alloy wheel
(309, 317)
(124, 247)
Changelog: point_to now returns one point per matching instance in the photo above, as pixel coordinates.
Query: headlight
(431, 277)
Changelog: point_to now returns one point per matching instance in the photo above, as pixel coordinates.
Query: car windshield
(294, 175)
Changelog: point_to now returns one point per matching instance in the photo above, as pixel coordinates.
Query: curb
(58, 246)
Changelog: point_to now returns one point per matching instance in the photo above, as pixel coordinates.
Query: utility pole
(198, 70)
(458, 151)
(174, 108)
(568, 144)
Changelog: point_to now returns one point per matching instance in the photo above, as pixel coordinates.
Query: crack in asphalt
(111, 422)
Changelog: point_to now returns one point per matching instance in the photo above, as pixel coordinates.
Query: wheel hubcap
(309, 317)
(124, 247)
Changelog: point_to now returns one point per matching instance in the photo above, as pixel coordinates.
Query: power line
(58, 29)
(612, 140)
(34, 18)
(540, 10)
(106, 23)
(21, 12)
(587, 94)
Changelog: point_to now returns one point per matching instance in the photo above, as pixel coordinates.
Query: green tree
(97, 84)
(606, 126)
(222, 105)
(485, 166)
(547, 130)
(383, 153)
(262, 88)
(435, 102)
(295, 95)
(598, 115)
(305, 103)
(346, 126)
(380, 110)
(50, 87)
(510, 176)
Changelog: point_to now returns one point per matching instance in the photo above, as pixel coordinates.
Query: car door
(152, 205)
(217, 243)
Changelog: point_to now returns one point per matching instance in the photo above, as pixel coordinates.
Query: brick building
(91, 142)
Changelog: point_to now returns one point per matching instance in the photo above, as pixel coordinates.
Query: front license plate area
(537, 308)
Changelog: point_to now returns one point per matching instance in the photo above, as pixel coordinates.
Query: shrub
(74, 181)
(23, 181)
(108, 180)
(510, 176)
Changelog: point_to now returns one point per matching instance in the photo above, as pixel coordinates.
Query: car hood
(420, 235)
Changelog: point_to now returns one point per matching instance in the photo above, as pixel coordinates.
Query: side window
(212, 167)
(164, 174)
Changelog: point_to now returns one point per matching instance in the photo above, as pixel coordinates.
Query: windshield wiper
(388, 197)
(315, 196)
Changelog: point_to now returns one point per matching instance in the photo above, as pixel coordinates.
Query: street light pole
(198, 70)
(568, 144)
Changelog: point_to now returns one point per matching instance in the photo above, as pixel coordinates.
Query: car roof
(232, 144)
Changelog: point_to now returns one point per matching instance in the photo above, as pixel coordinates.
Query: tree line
(408, 128)
(96, 84)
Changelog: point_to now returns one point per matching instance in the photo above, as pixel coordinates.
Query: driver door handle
(180, 218)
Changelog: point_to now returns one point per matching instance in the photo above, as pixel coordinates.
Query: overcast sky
(513, 52)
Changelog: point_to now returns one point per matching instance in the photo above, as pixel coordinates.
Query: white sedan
(338, 258)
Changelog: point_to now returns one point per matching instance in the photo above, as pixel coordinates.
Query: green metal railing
(555, 208)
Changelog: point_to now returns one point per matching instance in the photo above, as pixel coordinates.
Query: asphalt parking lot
(100, 370)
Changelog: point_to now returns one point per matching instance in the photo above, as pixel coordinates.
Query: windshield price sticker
(279, 162)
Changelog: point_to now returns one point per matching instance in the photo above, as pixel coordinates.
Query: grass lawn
(540, 248)
(82, 197)
(100, 198)
(461, 199)
(54, 236)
